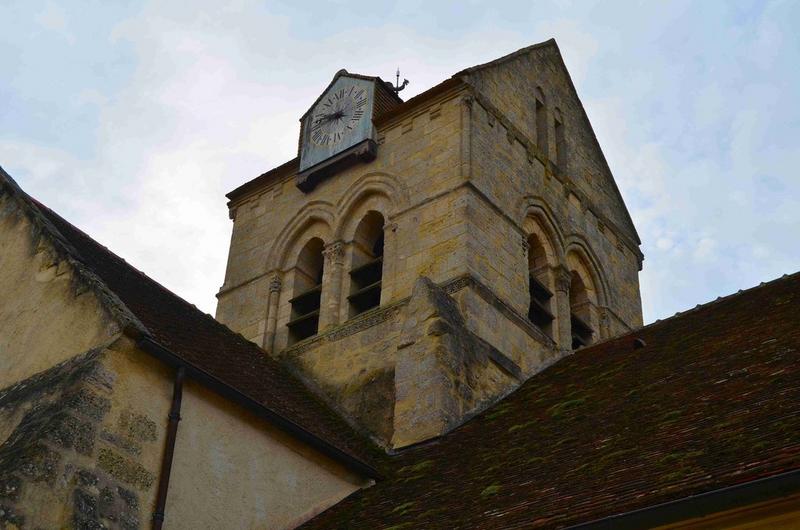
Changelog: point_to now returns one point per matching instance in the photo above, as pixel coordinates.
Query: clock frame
(337, 130)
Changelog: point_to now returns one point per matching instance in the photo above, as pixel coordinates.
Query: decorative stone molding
(563, 278)
(604, 318)
(363, 321)
(457, 284)
(275, 284)
(334, 253)
(390, 227)
(524, 244)
(381, 314)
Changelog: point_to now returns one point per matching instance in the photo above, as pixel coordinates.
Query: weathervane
(397, 86)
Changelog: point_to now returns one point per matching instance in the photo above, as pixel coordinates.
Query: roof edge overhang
(251, 186)
(419, 99)
(148, 344)
(703, 504)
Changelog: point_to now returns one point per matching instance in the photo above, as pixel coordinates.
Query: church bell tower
(418, 260)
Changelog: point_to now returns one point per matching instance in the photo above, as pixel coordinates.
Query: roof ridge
(271, 386)
(549, 42)
(724, 298)
(144, 276)
(61, 244)
(110, 252)
(698, 307)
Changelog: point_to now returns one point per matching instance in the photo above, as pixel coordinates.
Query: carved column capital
(275, 283)
(523, 242)
(334, 252)
(563, 278)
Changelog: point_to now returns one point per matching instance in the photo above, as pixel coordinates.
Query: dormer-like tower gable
(442, 253)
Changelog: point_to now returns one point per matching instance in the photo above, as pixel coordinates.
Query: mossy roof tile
(711, 401)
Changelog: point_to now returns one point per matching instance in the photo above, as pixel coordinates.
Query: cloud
(54, 19)
(695, 111)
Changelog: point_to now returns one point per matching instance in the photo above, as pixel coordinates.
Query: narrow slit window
(305, 304)
(366, 274)
(561, 143)
(541, 123)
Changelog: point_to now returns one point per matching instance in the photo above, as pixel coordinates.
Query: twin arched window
(365, 279)
(544, 277)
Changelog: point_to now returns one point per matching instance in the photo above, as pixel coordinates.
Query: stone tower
(421, 259)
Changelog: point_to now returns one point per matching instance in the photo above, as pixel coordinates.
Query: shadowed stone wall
(73, 455)
(463, 178)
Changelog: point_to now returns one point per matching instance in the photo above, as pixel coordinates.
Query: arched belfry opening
(307, 292)
(580, 307)
(366, 270)
(540, 311)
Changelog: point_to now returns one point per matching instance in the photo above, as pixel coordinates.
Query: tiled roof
(203, 343)
(711, 401)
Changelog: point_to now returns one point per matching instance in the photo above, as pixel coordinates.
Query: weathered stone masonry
(66, 443)
(468, 180)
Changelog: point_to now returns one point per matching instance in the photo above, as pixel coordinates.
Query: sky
(133, 119)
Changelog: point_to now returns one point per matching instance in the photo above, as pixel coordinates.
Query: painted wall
(232, 470)
(83, 416)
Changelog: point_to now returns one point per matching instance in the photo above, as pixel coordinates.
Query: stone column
(466, 137)
(605, 324)
(526, 273)
(272, 311)
(331, 285)
(390, 259)
(563, 335)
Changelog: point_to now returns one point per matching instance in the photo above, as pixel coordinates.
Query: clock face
(338, 115)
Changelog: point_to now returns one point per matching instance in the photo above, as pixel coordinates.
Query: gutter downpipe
(159, 352)
(169, 448)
